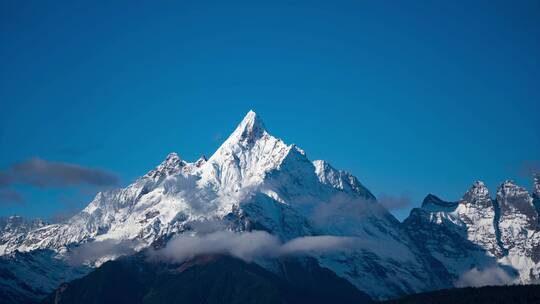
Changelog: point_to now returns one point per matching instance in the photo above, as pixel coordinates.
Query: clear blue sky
(411, 97)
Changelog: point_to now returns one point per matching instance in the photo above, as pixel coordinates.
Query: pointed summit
(478, 190)
(432, 200)
(251, 127)
(171, 165)
(478, 196)
(478, 184)
(201, 161)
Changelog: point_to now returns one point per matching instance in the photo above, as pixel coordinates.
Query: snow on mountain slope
(253, 181)
(518, 220)
(477, 212)
(481, 233)
(520, 234)
(16, 228)
(28, 276)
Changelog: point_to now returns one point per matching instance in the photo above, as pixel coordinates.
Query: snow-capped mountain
(255, 181)
(15, 228)
(481, 233)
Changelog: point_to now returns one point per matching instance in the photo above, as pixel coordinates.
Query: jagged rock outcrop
(479, 232)
(477, 212)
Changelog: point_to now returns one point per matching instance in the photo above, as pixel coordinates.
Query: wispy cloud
(94, 251)
(46, 174)
(392, 202)
(40, 173)
(320, 244)
(484, 277)
(342, 210)
(249, 246)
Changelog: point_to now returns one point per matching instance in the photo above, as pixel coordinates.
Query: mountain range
(256, 189)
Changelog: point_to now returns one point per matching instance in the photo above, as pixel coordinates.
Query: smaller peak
(200, 161)
(479, 184)
(509, 187)
(298, 149)
(508, 184)
(173, 156)
(170, 165)
(432, 199)
(478, 191)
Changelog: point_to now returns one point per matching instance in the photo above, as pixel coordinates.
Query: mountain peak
(479, 184)
(509, 187)
(508, 183)
(250, 127)
(201, 161)
(433, 199)
(478, 195)
(170, 165)
(173, 156)
(477, 190)
(433, 202)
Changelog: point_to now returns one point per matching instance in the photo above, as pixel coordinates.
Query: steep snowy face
(245, 158)
(339, 179)
(15, 228)
(477, 212)
(279, 189)
(518, 221)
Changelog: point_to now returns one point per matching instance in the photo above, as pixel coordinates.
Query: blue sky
(412, 98)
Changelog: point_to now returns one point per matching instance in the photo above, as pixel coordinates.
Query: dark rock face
(208, 279)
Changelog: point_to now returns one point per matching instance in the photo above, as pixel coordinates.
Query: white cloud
(250, 245)
(484, 277)
(94, 251)
(392, 202)
(319, 244)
